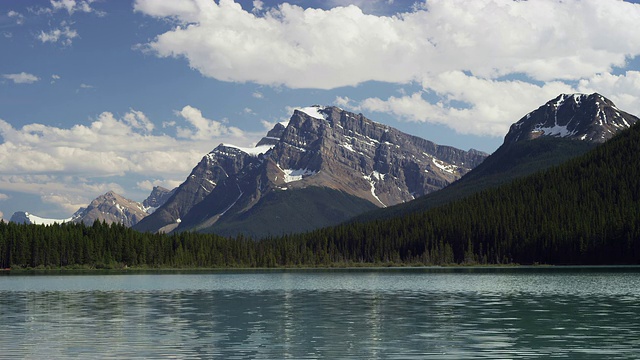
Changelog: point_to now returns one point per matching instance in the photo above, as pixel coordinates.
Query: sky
(124, 95)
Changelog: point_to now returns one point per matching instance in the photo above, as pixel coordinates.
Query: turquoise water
(512, 313)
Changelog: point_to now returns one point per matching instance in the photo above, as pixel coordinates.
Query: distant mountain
(345, 156)
(110, 208)
(23, 217)
(591, 118)
(157, 198)
(561, 129)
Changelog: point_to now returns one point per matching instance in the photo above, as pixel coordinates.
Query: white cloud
(72, 6)
(257, 95)
(202, 128)
(343, 102)
(148, 185)
(445, 45)
(66, 202)
(109, 147)
(64, 35)
(312, 48)
(465, 105)
(66, 193)
(19, 18)
(3, 197)
(70, 166)
(623, 90)
(258, 5)
(138, 120)
(21, 78)
(55, 77)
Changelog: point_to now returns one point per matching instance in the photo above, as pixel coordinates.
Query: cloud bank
(518, 54)
(66, 166)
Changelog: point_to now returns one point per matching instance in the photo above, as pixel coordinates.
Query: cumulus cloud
(624, 89)
(548, 45)
(72, 6)
(202, 128)
(19, 18)
(65, 165)
(258, 5)
(312, 48)
(465, 105)
(148, 185)
(64, 35)
(21, 78)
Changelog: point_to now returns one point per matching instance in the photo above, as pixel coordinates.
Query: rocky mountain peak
(320, 147)
(109, 207)
(159, 195)
(587, 117)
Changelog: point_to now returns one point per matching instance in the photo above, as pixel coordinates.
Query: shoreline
(364, 267)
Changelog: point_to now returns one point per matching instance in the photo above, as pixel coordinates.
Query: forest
(585, 211)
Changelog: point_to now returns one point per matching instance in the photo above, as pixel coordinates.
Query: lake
(416, 313)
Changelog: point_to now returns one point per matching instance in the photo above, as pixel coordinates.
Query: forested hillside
(586, 211)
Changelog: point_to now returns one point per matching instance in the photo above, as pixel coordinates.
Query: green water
(509, 313)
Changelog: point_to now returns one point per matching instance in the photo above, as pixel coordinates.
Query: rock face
(324, 147)
(157, 198)
(111, 208)
(592, 118)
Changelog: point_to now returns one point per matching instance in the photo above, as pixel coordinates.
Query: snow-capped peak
(314, 111)
(253, 151)
(587, 117)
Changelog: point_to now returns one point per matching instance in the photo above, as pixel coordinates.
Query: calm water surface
(521, 313)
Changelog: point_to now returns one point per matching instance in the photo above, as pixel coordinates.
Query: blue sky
(99, 95)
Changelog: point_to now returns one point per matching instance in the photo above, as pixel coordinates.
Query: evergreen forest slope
(509, 162)
(585, 211)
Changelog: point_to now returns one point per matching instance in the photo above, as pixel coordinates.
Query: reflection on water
(364, 314)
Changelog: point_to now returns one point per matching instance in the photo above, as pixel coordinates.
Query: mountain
(563, 128)
(23, 217)
(325, 166)
(110, 208)
(583, 212)
(157, 198)
(591, 118)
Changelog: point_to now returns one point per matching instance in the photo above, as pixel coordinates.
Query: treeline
(586, 211)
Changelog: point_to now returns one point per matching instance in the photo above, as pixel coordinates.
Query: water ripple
(313, 315)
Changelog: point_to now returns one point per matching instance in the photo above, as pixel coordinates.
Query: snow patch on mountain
(451, 169)
(314, 112)
(291, 175)
(557, 130)
(372, 183)
(37, 220)
(254, 151)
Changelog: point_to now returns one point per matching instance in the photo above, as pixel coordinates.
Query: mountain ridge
(563, 128)
(319, 147)
(109, 207)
